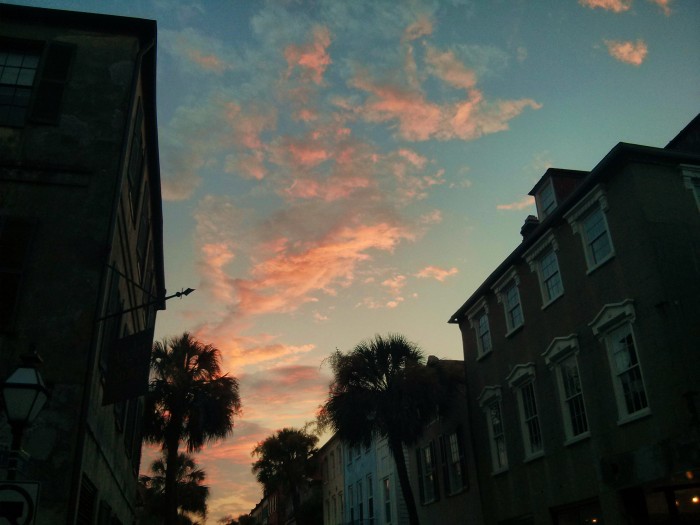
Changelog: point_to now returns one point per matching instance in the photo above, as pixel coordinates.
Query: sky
(335, 169)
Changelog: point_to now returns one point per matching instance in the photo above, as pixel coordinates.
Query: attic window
(546, 200)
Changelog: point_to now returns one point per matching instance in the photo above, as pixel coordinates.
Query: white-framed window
(427, 473)
(542, 258)
(478, 317)
(587, 218)
(546, 200)
(522, 380)
(613, 326)
(562, 358)
(490, 403)
(386, 498)
(506, 290)
(453, 462)
(691, 180)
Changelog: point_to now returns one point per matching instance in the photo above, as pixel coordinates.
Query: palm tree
(191, 493)
(383, 389)
(286, 463)
(189, 401)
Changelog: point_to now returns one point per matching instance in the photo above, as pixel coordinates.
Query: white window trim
(498, 288)
(520, 376)
(533, 258)
(560, 349)
(595, 197)
(691, 177)
(480, 306)
(611, 317)
(488, 396)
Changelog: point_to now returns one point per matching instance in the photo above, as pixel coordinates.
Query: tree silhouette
(383, 389)
(188, 401)
(191, 493)
(286, 464)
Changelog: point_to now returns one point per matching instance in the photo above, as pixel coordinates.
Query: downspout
(76, 475)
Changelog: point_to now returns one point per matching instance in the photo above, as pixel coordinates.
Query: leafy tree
(382, 388)
(285, 464)
(189, 401)
(191, 493)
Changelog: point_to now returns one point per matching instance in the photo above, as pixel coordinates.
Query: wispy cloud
(197, 52)
(437, 273)
(628, 52)
(616, 6)
(522, 204)
(311, 58)
(665, 6)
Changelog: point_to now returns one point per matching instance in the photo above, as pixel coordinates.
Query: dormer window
(546, 200)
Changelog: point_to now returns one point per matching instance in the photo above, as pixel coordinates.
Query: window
(479, 320)
(507, 291)
(18, 69)
(15, 237)
(587, 218)
(691, 180)
(29, 68)
(453, 462)
(522, 378)
(370, 499)
(386, 497)
(578, 513)
(427, 473)
(542, 258)
(332, 466)
(490, 403)
(351, 501)
(546, 200)
(561, 357)
(613, 325)
(360, 503)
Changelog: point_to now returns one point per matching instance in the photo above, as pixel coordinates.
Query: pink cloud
(421, 27)
(616, 6)
(448, 68)
(628, 52)
(312, 58)
(289, 279)
(434, 272)
(665, 6)
(433, 217)
(209, 62)
(522, 204)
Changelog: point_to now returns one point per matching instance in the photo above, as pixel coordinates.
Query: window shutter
(445, 461)
(436, 477)
(54, 75)
(419, 463)
(15, 238)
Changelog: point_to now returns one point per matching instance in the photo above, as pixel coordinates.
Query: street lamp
(24, 394)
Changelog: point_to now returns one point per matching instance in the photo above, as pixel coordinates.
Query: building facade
(81, 248)
(581, 348)
(330, 458)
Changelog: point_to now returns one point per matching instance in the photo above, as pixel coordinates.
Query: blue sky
(332, 170)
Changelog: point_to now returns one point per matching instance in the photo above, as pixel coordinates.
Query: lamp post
(24, 394)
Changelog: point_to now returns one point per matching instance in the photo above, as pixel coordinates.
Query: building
(330, 457)
(81, 248)
(441, 463)
(581, 347)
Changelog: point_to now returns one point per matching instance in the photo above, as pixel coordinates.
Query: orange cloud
(287, 280)
(312, 58)
(448, 68)
(434, 272)
(522, 204)
(209, 62)
(616, 6)
(628, 52)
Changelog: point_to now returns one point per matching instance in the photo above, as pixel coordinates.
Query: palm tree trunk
(397, 451)
(171, 444)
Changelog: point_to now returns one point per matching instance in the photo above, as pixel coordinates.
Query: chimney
(531, 223)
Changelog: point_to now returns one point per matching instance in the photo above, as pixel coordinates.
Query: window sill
(534, 457)
(484, 355)
(551, 301)
(499, 471)
(601, 263)
(576, 439)
(515, 330)
(640, 414)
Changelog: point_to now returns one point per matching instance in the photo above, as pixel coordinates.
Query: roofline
(145, 29)
(623, 153)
